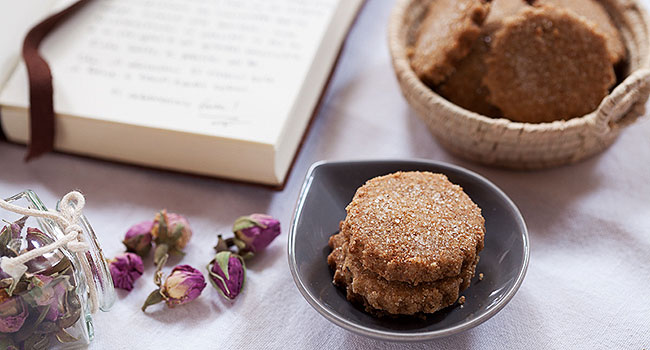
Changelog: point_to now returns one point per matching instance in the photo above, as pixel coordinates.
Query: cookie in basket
(446, 34)
(594, 12)
(464, 86)
(547, 64)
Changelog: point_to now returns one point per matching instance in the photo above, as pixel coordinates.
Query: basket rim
(404, 71)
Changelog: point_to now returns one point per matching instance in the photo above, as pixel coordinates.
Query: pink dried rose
(183, 285)
(171, 232)
(255, 232)
(125, 270)
(138, 238)
(13, 313)
(57, 303)
(36, 238)
(46, 291)
(13, 229)
(227, 272)
(17, 227)
(40, 289)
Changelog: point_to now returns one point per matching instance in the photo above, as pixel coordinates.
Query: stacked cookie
(529, 61)
(409, 244)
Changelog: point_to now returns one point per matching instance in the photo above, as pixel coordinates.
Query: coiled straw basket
(505, 143)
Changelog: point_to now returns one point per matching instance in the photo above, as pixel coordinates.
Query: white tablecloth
(587, 284)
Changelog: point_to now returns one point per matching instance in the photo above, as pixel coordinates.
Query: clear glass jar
(49, 308)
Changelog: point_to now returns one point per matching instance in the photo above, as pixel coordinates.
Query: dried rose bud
(13, 313)
(13, 229)
(125, 270)
(183, 285)
(227, 273)
(7, 343)
(40, 290)
(36, 238)
(46, 292)
(171, 232)
(178, 223)
(138, 238)
(256, 231)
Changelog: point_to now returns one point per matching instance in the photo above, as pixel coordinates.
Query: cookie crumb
(480, 276)
(461, 300)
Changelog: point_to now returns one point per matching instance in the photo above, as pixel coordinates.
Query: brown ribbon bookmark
(40, 83)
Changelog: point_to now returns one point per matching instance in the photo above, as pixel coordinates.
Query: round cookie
(548, 64)
(445, 36)
(381, 296)
(464, 86)
(594, 12)
(413, 227)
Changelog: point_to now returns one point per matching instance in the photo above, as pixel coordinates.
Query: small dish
(330, 186)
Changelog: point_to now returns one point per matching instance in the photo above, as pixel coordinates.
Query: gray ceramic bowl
(330, 186)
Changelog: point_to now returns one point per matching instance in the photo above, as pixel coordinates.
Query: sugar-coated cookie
(593, 11)
(546, 64)
(381, 296)
(464, 86)
(445, 36)
(413, 227)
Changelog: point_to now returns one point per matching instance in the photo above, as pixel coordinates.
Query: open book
(221, 88)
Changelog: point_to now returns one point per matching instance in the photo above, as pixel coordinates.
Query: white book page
(17, 17)
(227, 68)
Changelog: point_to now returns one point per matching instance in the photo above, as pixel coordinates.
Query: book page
(16, 18)
(227, 68)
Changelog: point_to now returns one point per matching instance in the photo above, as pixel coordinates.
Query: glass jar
(49, 307)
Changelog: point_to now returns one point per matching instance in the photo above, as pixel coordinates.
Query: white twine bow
(67, 217)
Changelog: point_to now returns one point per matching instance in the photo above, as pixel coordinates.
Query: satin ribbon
(41, 113)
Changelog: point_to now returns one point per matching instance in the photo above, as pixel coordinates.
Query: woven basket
(505, 143)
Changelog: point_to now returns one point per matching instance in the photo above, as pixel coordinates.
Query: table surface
(587, 283)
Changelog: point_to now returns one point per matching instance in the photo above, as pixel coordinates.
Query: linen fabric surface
(587, 284)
